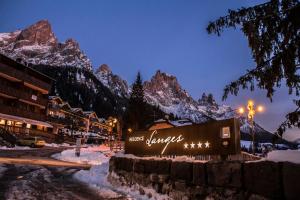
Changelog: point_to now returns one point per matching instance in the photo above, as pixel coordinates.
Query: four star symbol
(199, 145)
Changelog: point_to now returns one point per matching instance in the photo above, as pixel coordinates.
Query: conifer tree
(273, 33)
(137, 107)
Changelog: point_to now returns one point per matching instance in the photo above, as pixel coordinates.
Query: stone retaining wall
(219, 180)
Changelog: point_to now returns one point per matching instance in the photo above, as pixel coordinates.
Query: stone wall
(218, 180)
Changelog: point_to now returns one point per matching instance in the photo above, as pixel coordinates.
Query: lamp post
(251, 112)
(112, 122)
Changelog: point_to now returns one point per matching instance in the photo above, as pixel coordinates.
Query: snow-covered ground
(59, 145)
(14, 148)
(284, 155)
(95, 155)
(96, 176)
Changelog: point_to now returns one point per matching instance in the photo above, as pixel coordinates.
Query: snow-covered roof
(176, 123)
(182, 122)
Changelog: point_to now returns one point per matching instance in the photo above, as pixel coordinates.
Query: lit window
(9, 123)
(2, 122)
(18, 124)
(28, 125)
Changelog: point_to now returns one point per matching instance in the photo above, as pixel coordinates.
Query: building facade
(23, 98)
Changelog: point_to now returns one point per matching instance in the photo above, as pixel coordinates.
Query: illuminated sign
(211, 138)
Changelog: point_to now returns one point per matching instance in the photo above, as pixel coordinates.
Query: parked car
(32, 142)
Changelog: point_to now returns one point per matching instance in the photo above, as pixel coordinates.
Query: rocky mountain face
(115, 83)
(164, 91)
(37, 44)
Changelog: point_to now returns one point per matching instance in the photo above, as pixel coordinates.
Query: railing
(24, 77)
(59, 120)
(22, 113)
(20, 94)
(24, 132)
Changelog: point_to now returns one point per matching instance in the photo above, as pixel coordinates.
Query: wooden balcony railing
(23, 76)
(21, 94)
(10, 110)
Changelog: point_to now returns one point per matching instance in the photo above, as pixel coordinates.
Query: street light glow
(241, 110)
(260, 108)
(250, 102)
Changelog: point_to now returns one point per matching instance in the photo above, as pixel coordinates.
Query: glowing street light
(251, 112)
(241, 110)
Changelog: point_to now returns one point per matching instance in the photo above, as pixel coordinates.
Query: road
(23, 180)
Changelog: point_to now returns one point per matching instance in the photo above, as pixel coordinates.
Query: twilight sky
(170, 35)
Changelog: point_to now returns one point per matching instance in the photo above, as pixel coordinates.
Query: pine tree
(137, 106)
(272, 30)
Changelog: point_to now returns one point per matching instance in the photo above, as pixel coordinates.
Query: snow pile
(284, 155)
(15, 148)
(59, 145)
(89, 155)
(96, 177)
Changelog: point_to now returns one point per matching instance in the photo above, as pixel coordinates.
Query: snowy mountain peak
(38, 33)
(104, 68)
(163, 90)
(37, 44)
(115, 83)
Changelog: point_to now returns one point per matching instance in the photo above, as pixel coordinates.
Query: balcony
(25, 77)
(21, 94)
(59, 120)
(10, 110)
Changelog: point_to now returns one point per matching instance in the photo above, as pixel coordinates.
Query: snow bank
(284, 155)
(174, 159)
(59, 145)
(15, 148)
(95, 155)
(96, 176)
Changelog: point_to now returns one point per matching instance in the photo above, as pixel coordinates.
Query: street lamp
(251, 112)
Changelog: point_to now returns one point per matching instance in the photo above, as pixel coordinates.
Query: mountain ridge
(38, 45)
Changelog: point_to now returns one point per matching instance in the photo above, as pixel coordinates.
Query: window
(2, 122)
(18, 124)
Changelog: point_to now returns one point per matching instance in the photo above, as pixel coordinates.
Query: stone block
(112, 164)
(290, 178)
(199, 173)
(125, 164)
(263, 178)
(224, 174)
(182, 171)
(139, 166)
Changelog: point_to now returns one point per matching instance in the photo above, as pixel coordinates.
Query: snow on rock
(115, 83)
(37, 44)
(96, 176)
(284, 155)
(90, 155)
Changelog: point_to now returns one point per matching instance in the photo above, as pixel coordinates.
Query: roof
(8, 61)
(25, 120)
(181, 122)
